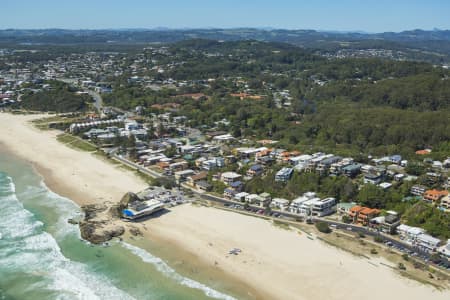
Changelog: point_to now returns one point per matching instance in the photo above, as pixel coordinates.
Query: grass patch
(75, 142)
(419, 279)
(281, 225)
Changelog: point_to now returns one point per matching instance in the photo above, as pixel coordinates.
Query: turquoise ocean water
(43, 257)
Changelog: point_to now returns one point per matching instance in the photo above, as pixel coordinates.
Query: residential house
(178, 166)
(337, 167)
(427, 242)
(279, 203)
(213, 163)
(266, 199)
(301, 204)
(301, 159)
(229, 193)
(433, 196)
(366, 214)
(445, 250)
(433, 178)
(351, 170)
(418, 190)
(344, 207)
(255, 170)
(445, 202)
(354, 211)
(326, 163)
(386, 224)
(373, 178)
(192, 180)
(253, 199)
(385, 185)
(362, 215)
(324, 207)
(284, 174)
(203, 185)
(237, 186)
(181, 176)
(230, 177)
(409, 233)
(240, 196)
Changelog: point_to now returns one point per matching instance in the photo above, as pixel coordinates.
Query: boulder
(72, 221)
(135, 231)
(92, 232)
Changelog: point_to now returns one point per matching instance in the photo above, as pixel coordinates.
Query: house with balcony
(387, 224)
(366, 214)
(325, 164)
(323, 207)
(258, 200)
(230, 177)
(240, 196)
(427, 242)
(362, 215)
(284, 174)
(409, 233)
(255, 170)
(297, 206)
(337, 167)
(279, 203)
(418, 190)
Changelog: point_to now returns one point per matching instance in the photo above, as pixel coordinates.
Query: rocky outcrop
(92, 210)
(96, 234)
(97, 227)
(72, 221)
(134, 231)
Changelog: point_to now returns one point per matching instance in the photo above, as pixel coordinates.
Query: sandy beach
(275, 262)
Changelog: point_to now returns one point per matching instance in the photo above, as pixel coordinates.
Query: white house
(409, 233)
(445, 250)
(324, 207)
(230, 177)
(279, 203)
(427, 241)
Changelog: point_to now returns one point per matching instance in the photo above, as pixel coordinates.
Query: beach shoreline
(274, 264)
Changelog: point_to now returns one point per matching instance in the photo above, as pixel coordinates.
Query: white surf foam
(27, 248)
(171, 273)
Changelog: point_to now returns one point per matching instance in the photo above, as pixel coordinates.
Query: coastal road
(98, 101)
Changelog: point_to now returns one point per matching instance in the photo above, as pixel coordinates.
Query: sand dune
(278, 263)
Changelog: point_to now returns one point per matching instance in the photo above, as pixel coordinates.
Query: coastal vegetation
(58, 97)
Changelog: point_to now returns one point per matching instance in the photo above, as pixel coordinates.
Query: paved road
(97, 98)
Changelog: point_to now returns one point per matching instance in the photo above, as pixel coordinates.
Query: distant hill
(434, 43)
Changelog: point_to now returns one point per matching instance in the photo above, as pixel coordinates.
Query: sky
(339, 15)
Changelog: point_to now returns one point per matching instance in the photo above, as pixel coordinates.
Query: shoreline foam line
(164, 268)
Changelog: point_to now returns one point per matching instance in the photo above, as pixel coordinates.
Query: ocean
(43, 257)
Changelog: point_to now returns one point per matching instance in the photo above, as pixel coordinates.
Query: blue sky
(365, 15)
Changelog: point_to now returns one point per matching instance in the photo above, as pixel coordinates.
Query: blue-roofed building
(255, 170)
(229, 193)
(396, 159)
(237, 186)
